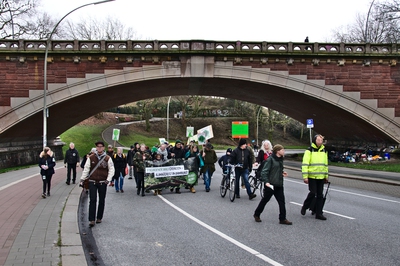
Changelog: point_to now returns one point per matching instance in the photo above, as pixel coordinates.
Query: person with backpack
(120, 165)
(272, 175)
(315, 173)
(99, 169)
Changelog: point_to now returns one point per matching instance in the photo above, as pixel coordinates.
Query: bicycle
(228, 182)
(256, 183)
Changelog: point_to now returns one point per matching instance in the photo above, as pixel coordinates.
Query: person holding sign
(272, 174)
(138, 160)
(209, 158)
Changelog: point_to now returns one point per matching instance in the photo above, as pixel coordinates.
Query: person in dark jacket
(224, 160)
(46, 164)
(272, 174)
(99, 169)
(129, 158)
(71, 161)
(241, 155)
(139, 162)
(120, 164)
(209, 158)
(177, 152)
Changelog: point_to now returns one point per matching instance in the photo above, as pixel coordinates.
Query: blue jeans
(119, 183)
(207, 178)
(240, 172)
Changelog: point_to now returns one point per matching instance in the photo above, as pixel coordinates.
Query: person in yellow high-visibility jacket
(315, 173)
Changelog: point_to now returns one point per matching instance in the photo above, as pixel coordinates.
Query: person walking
(315, 173)
(110, 152)
(272, 174)
(265, 151)
(71, 161)
(177, 152)
(193, 152)
(242, 155)
(129, 159)
(84, 159)
(209, 158)
(120, 164)
(46, 164)
(139, 161)
(99, 169)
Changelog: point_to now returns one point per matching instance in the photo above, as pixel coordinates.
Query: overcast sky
(252, 20)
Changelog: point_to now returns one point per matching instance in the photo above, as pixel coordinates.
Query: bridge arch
(337, 114)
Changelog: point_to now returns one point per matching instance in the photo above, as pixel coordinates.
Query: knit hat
(277, 148)
(99, 142)
(178, 141)
(242, 141)
(229, 150)
(209, 146)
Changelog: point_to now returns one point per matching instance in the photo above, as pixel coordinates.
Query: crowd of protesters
(109, 168)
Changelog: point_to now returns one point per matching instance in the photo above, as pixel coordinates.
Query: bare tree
(184, 102)
(377, 26)
(95, 29)
(145, 109)
(17, 18)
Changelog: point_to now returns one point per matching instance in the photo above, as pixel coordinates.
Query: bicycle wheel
(232, 194)
(222, 187)
(253, 183)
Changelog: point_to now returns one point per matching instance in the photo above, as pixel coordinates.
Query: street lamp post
(257, 122)
(45, 111)
(169, 99)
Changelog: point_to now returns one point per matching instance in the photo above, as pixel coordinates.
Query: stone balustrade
(242, 47)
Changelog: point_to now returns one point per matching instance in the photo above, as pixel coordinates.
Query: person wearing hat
(241, 155)
(209, 158)
(99, 169)
(272, 175)
(177, 152)
(315, 173)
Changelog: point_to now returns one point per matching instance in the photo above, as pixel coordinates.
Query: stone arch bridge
(350, 90)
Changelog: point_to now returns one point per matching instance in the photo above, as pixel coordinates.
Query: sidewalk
(30, 225)
(32, 232)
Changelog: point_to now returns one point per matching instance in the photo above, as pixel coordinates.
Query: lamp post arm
(45, 66)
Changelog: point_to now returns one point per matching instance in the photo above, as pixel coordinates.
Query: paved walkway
(31, 230)
(30, 225)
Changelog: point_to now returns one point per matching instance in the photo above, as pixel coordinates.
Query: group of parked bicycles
(228, 182)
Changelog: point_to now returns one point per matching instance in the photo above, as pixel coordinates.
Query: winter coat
(272, 171)
(48, 160)
(242, 156)
(209, 161)
(315, 163)
(71, 156)
(119, 164)
(138, 161)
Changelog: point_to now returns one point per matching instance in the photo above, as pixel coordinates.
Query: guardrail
(200, 45)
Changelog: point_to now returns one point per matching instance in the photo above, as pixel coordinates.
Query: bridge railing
(200, 45)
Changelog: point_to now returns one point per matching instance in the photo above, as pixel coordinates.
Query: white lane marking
(334, 213)
(233, 241)
(351, 193)
(23, 179)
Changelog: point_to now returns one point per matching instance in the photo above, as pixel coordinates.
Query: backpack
(259, 169)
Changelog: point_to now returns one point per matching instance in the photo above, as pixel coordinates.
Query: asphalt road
(205, 229)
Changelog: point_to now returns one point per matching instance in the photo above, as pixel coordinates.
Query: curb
(71, 248)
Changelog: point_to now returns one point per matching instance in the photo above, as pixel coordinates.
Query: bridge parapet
(201, 45)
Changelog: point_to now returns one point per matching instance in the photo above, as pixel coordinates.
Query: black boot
(177, 190)
(138, 191)
(143, 192)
